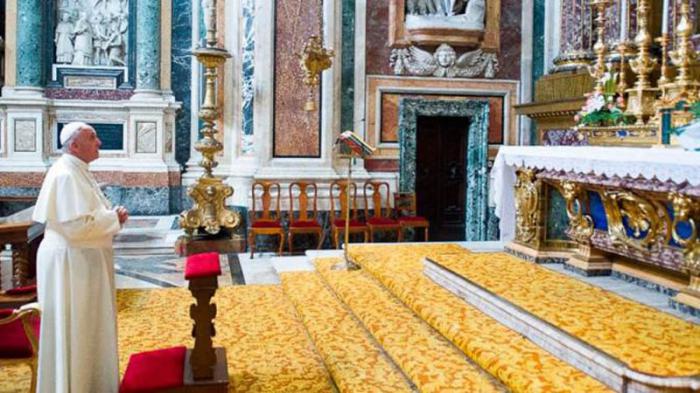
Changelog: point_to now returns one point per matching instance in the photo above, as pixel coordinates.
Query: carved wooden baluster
(20, 264)
(203, 312)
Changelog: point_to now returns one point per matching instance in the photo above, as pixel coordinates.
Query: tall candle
(664, 20)
(623, 20)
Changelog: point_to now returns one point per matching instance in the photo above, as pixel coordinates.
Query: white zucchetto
(71, 129)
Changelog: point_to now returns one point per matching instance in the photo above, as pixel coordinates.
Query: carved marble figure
(443, 63)
(83, 41)
(454, 14)
(115, 42)
(64, 39)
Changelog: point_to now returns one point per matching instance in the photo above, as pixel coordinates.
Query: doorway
(441, 182)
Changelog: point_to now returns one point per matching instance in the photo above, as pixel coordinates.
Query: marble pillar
(148, 44)
(577, 37)
(31, 53)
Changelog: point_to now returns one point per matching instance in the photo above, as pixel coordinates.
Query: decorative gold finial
(314, 59)
(598, 70)
(641, 98)
(684, 87)
(209, 213)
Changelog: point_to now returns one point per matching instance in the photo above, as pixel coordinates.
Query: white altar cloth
(664, 164)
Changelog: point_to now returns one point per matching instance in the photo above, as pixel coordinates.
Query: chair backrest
(405, 204)
(264, 189)
(28, 316)
(303, 188)
(338, 193)
(373, 190)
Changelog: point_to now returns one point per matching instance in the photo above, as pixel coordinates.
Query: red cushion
(381, 221)
(154, 370)
(304, 224)
(5, 312)
(266, 224)
(14, 343)
(202, 265)
(353, 223)
(412, 219)
(21, 290)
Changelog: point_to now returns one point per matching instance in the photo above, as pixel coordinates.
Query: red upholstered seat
(154, 370)
(304, 224)
(380, 221)
(353, 223)
(14, 343)
(266, 224)
(202, 265)
(412, 219)
(21, 290)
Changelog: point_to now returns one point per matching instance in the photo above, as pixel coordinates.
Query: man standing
(75, 272)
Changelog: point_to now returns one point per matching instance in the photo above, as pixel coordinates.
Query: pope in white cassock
(75, 272)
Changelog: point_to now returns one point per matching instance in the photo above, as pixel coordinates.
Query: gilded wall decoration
(527, 205)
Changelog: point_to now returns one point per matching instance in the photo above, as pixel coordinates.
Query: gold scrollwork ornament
(645, 218)
(683, 208)
(580, 225)
(527, 188)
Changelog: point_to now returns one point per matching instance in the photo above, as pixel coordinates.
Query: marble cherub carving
(443, 63)
(455, 14)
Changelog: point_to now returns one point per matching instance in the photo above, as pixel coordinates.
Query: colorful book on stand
(355, 144)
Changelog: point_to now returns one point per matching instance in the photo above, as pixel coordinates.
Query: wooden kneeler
(201, 369)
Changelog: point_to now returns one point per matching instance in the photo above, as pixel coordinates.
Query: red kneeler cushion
(202, 265)
(21, 290)
(266, 224)
(154, 370)
(14, 343)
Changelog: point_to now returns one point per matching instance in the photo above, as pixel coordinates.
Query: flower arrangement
(606, 108)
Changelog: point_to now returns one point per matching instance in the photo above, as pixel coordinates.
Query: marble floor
(144, 258)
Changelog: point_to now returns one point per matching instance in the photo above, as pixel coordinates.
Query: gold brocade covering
(429, 360)
(356, 363)
(520, 364)
(267, 347)
(647, 340)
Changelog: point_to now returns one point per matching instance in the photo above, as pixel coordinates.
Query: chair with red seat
(339, 194)
(405, 210)
(19, 338)
(268, 223)
(306, 222)
(381, 220)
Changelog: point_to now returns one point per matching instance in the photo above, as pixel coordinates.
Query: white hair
(71, 130)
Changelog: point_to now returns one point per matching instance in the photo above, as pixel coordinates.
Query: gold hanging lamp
(314, 59)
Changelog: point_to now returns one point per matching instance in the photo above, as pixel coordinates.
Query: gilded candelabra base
(209, 213)
(687, 91)
(640, 103)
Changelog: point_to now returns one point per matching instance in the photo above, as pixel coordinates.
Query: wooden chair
(338, 192)
(19, 335)
(381, 220)
(267, 223)
(307, 221)
(405, 208)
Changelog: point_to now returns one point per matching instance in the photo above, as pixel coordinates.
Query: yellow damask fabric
(520, 364)
(266, 346)
(356, 363)
(427, 358)
(647, 340)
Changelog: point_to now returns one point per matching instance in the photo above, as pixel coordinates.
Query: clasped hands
(122, 214)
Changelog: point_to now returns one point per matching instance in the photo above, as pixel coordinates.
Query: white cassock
(75, 281)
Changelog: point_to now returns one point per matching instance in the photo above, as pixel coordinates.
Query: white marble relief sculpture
(64, 38)
(146, 137)
(443, 63)
(25, 135)
(452, 14)
(92, 32)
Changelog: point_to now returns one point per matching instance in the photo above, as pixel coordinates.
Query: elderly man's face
(86, 145)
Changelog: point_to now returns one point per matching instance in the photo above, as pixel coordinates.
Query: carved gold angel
(443, 63)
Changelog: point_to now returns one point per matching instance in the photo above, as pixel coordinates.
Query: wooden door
(441, 156)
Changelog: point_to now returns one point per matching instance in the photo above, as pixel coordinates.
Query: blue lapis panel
(597, 211)
(683, 229)
(111, 135)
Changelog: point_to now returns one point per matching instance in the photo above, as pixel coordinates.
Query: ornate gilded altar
(631, 212)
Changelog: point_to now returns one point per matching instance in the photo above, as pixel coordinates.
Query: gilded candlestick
(684, 57)
(597, 71)
(664, 40)
(642, 95)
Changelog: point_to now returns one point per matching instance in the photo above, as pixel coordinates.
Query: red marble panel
(382, 165)
(21, 179)
(390, 114)
(124, 179)
(296, 132)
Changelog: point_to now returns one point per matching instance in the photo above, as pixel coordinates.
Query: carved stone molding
(443, 62)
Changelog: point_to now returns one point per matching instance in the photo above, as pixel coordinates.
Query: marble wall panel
(348, 66)
(181, 75)
(146, 137)
(25, 135)
(248, 77)
(378, 52)
(296, 132)
(390, 114)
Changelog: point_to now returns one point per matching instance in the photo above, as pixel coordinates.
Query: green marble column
(31, 51)
(148, 45)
